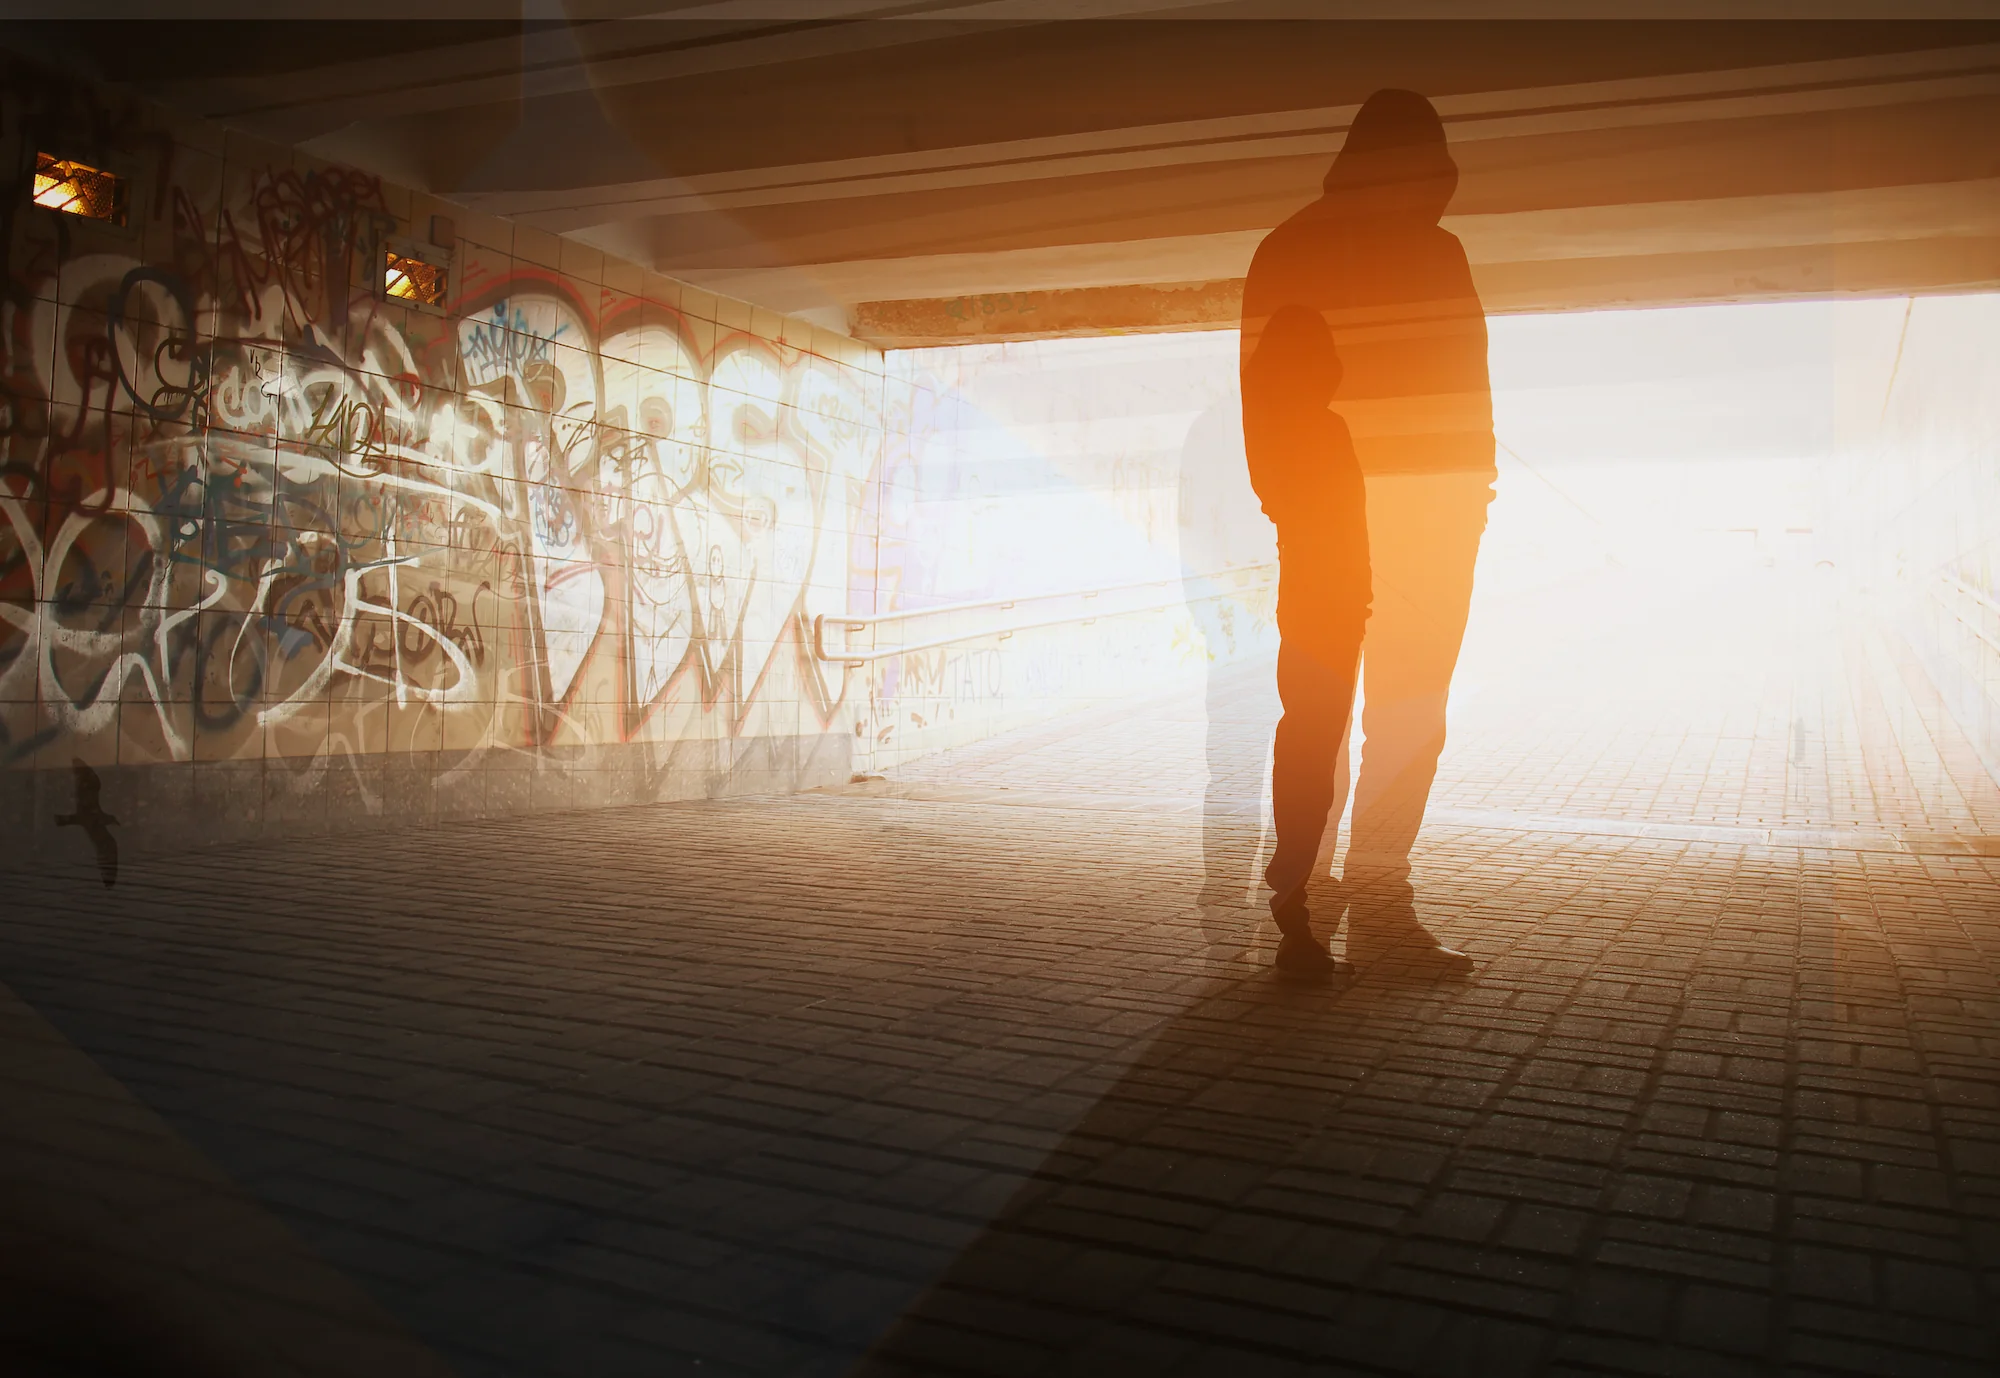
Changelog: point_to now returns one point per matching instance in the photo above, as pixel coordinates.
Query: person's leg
(1316, 689)
(1325, 895)
(1424, 532)
(1242, 711)
(1238, 699)
(1240, 721)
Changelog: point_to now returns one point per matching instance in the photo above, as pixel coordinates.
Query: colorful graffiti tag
(249, 506)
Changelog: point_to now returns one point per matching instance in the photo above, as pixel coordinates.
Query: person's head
(1395, 152)
(1296, 363)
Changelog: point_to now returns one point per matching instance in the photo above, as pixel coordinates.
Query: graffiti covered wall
(280, 549)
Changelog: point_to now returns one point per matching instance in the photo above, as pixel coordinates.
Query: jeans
(1423, 538)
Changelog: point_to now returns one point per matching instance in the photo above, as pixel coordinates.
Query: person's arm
(1279, 276)
(1295, 462)
(1466, 347)
(1257, 306)
(1262, 449)
(1416, 391)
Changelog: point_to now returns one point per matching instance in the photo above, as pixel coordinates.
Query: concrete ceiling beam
(922, 170)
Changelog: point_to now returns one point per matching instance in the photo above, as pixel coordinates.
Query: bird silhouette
(95, 822)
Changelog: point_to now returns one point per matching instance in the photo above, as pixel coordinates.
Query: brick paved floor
(939, 1074)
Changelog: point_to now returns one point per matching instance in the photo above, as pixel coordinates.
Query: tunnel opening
(1734, 582)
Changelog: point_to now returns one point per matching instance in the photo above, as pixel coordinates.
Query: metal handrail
(859, 622)
(1970, 592)
(862, 621)
(1985, 603)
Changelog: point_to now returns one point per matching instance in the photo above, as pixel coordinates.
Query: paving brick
(1841, 1275)
(1624, 1303)
(1924, 1289)
(1545, 1230)
(1141, 1349)
(1453, 1215)
(1734, 1208)
(1737, 1322)
(1651, 1196)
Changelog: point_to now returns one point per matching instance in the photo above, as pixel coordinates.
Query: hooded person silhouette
(1393, 287)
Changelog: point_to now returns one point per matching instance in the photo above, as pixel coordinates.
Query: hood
(1394, 161)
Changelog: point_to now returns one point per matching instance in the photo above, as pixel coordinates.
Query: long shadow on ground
(1400, 1178)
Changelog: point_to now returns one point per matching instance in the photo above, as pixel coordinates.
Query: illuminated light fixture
(62, 184)
(412, 279)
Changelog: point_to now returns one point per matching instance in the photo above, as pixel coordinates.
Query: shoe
(1402, 941)
(1382, 927)
(1307, 959)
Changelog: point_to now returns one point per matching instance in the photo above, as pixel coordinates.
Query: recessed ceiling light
(412, 279)
(63, 184)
